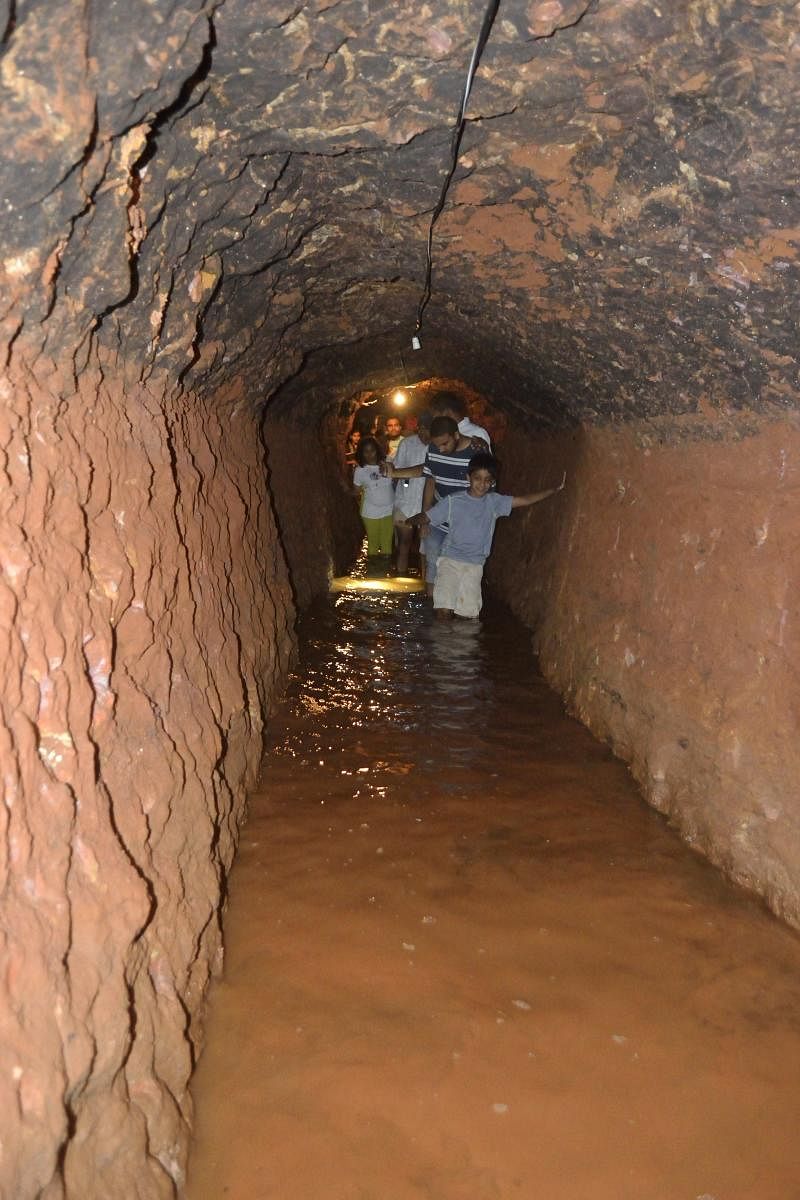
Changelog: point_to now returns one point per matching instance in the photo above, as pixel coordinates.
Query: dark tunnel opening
(214, 224)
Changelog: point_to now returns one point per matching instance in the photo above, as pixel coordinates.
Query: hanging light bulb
(400, 398)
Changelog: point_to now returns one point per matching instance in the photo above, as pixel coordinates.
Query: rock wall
(662, 585)
(146, 621)
(316, 512)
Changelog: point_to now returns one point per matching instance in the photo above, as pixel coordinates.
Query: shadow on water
(466, 962)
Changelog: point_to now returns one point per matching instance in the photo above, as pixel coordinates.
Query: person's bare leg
(404, 535)
(429, 584)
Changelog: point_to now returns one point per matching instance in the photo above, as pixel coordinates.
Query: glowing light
(399, 398)
(400, 583)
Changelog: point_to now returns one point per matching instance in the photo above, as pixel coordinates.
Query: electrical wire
(455, 146)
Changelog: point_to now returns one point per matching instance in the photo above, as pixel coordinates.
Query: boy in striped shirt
(445, 474)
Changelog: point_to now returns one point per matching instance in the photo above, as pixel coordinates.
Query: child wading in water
(377, 496)
(471, 517)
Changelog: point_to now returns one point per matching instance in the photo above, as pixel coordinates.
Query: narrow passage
(466, 962)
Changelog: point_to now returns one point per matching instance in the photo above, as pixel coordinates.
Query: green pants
(379, 534)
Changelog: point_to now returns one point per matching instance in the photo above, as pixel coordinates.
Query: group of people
(386, 507)
(440, 480)
(389, 437)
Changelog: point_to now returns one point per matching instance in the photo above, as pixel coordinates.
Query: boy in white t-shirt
(470, 516)
(377, 496)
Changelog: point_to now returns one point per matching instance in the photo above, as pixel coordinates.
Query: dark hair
(424, 419)
(362, 445)
(442, 425)
(441, 401)
(484, 462)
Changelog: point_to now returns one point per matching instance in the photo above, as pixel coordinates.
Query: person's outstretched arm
(437, 512)
(393, 472)
(535, 497)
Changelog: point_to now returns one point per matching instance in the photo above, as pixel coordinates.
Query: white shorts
(458, 587)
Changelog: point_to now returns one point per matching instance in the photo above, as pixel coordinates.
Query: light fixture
(399, 398)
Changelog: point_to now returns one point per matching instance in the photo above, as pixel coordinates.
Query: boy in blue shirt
(470, 516)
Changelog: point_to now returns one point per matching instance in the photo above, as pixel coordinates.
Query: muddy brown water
(466, 962)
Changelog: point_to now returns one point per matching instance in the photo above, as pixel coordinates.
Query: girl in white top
(377, 496)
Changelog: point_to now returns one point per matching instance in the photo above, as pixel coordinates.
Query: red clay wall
(146, 621)
(663, 588)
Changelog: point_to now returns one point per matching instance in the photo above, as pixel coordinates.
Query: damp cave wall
(661, 587)
(147, 627)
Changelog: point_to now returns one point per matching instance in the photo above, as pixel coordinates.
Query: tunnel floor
(466, 962)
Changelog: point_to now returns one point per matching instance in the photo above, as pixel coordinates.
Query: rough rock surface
(241, 187)
(213, 210)
(146, 621)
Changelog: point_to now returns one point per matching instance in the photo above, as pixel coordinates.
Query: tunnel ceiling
(244, 188)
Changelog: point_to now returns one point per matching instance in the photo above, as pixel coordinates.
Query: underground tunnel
(215, 227)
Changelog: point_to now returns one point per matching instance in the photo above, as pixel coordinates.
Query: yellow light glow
(400, 583)
(399, 398)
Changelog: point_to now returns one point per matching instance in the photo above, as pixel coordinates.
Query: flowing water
(466, 962)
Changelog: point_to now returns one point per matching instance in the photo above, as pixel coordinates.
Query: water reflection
(458, 685)
(379, 660)
(374, 575)
(398, 584)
